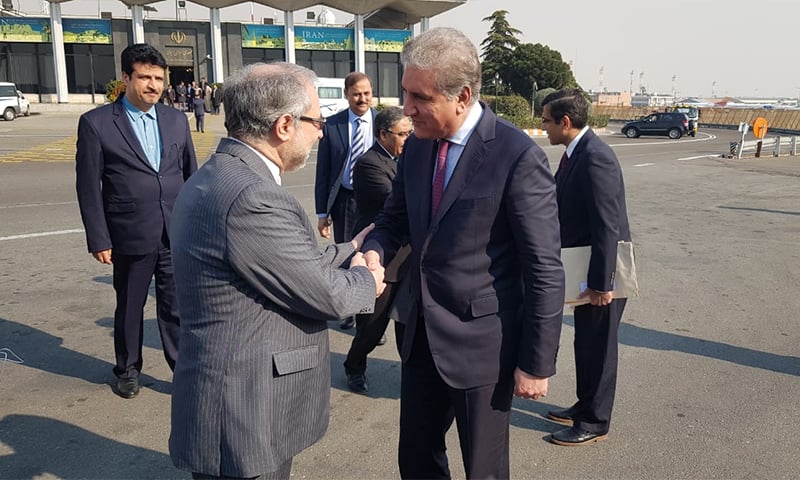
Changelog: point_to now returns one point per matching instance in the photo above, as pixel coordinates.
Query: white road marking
(48, 204)
(710, 155)
(42, 234)
(643, 164)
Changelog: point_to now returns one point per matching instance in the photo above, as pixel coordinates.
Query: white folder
(576, 269)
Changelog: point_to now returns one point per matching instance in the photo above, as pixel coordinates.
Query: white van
(12, 102)
(331, 96)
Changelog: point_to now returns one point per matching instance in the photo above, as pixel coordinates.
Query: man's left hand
(529, 386)
(598, 299)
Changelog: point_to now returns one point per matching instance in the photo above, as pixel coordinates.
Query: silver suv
(12, 102)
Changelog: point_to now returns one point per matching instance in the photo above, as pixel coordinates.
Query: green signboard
(37, 30)
(77, 30)
(14, 29)
(263, 36)
(379, 40)
(323, 38)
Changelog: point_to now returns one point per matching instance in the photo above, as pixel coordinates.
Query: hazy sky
(728, 47)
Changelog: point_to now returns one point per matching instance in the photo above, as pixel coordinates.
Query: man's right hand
(324, 227)
(103, 256)
(374, 265)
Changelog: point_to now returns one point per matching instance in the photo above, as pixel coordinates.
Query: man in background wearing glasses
(372, 182)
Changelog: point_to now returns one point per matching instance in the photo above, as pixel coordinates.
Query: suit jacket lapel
(123, 124)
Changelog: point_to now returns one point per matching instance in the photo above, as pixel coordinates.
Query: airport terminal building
(69, 60)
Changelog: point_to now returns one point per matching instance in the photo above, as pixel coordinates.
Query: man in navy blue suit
(591, 212)
(347, 136)
(133, 157)
(483, 305)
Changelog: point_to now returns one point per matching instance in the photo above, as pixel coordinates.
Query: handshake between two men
(370, 260)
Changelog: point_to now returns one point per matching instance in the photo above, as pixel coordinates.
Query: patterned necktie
(357, 146)
(438, 177)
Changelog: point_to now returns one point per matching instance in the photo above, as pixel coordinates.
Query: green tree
(497, 48)
(538, 63)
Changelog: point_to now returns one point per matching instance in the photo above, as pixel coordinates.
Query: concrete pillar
(288, 36)
(216, 45)
(361, 62)
(424, 24)
(137, 13)
(59, 56)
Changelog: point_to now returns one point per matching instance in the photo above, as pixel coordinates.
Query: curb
(535, 132)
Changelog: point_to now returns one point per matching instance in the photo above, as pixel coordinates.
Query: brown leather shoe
(564, 416)
(574, 436)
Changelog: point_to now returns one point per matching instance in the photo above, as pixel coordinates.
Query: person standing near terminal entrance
(348, 135)
(199, 109)
(132, 158)
(591, 212)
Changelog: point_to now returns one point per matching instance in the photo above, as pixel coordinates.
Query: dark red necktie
(438, 177)
(563, 163)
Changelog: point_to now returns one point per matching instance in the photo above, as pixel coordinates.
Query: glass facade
(29, 65)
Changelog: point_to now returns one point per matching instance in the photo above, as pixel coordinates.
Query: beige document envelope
(576, 269)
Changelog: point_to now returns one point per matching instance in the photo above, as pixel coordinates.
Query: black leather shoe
(347, 323)
(564, 416)
(357, 383)
(382, 340)
(574, 436)
(128, 387)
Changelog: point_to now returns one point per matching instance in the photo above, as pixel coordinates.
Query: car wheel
(674, 133)
(27, 112)
(632, 132)
(9, 114)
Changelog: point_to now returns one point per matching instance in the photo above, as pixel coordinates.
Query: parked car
(24, 104)
(672, 124)
(12, 102)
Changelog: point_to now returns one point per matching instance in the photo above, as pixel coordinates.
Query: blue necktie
(357, 147)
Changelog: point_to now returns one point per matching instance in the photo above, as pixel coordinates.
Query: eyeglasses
(400, 134)
(318, 121)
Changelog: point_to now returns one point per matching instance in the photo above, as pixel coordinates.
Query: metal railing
(773, 146)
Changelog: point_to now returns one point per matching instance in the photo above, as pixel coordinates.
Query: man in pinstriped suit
(251, 389)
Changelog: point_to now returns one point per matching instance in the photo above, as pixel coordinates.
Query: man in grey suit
(251, 389)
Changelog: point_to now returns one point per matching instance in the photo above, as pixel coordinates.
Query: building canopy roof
(398, 12)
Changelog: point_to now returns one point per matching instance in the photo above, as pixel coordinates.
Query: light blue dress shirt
(145, 126)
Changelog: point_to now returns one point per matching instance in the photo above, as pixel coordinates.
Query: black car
(672, 124)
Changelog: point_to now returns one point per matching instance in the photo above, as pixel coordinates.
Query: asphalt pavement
(709, 354)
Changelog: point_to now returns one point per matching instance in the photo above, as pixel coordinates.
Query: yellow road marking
(64, 150)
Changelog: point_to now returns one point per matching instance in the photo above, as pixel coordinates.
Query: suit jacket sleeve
(283, 263)
(601, 184)
(88, 183)
(533, 215)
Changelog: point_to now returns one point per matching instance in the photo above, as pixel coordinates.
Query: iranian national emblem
(177, 36)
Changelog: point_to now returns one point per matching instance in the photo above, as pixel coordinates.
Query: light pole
(496, 81)
(533, 98)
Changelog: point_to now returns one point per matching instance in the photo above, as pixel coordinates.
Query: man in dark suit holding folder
(591, 211)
